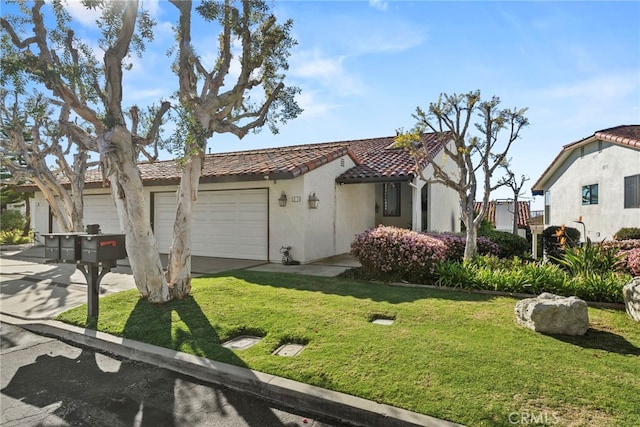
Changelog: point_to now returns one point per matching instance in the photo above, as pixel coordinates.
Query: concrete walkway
(33, 292)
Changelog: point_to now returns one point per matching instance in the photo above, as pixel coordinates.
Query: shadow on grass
(153, 324)
(601, 340)
(376, 291)
(145, 399)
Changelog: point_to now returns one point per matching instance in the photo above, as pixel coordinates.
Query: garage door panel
(101, 209)
(226, 223)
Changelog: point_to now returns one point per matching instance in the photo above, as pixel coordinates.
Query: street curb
(285, 392)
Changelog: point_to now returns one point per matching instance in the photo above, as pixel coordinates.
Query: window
(391, 197)
(590, 194)
(547, 206)
(632, 191)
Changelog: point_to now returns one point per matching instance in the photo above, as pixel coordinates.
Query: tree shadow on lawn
(153, 324)
(600, 340)
(361, 289)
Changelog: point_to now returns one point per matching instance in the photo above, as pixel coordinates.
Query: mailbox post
(93, 253)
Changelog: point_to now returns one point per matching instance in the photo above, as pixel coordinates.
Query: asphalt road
(46, 382)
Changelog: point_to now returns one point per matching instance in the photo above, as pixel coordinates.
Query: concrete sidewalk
(33, 292)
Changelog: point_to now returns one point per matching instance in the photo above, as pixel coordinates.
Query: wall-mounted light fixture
(282, 200)
(313, 201)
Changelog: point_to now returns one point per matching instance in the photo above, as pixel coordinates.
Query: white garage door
(100, 209)
(226, 223)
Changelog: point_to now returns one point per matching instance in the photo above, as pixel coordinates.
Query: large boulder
(631, 294)
(553, 314)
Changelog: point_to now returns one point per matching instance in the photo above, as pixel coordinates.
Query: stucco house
(314, 198)
(596, 178)
(500, 215)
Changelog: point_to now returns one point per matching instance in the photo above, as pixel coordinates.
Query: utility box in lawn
(102, 247)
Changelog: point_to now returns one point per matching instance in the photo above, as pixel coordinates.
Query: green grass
(452, 355)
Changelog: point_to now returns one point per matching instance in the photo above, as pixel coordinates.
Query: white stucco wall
(443, 202)
(343, 211)
(607, 168)
(355, 213)
(321, 225)
(444, 209)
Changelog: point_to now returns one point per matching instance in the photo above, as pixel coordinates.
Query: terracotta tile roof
(524, 212)
(274, 163)
(379, 161)
(625, 135)
(375, 159)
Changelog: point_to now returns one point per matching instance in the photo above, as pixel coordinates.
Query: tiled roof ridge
(301, 146)
(265, 150)
(609, 135)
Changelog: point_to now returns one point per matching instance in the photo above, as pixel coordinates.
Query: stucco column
(536, 230)
(416, 203)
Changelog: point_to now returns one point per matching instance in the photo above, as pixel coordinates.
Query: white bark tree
(93, 92)
(476, 155)
(209, 106)
(29, 139)
(515, 185)
(66, 67)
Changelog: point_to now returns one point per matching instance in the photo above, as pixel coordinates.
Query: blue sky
(364, 66)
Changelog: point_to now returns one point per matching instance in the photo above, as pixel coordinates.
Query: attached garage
(226, 223)
(100, 209)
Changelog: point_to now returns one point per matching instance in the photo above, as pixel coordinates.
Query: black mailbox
(102, 247)
(70, 247)
(51, 246)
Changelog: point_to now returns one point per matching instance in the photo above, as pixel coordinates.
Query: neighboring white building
(359, 184)
(500, 215)
(596, 179)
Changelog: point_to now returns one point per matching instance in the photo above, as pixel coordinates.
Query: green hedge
(516, 276)
(627, 233)
(551, 243)
(509, 244)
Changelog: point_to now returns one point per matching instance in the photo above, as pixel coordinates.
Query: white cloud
(88, 17)
(152, 6)
(78, 12)
(597, 89)
(328, 72)
(588, 105)
(312, 106)
(379, 4)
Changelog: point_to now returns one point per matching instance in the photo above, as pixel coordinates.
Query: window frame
(631, 190)
(395, 210)
(589, 196)
(547, 206)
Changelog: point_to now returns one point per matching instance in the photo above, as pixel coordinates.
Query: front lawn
(451, 355)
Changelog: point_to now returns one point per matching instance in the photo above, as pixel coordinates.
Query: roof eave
(374, 179)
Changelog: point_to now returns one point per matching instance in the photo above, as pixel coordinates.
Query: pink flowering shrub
(455, 245)
(633, 261)
(630, 249)
(391, 253)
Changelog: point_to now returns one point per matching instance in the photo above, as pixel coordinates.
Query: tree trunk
(471, 223)
(64, 221)
(179, 264)
(133, 213)
(27, 215)
(471, 242)
(515, 214)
